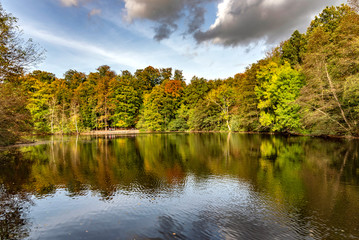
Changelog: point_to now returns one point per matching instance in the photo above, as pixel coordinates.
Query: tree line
(309, 84)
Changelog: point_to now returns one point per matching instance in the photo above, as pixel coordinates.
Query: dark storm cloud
(164, 31)
(238, 22)
(241, 22)
(155, 10)
(166, 13)
(196, 18)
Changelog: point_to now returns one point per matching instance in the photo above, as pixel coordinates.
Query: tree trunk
(336, 98)
(62, 119)
(106, 114)
(52, 114)
(229, 127)
(77, 129)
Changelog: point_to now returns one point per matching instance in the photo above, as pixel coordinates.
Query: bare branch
(336, 97)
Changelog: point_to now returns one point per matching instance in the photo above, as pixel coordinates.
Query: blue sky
(205, 38)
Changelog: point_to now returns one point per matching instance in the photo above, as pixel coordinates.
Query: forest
(309, 84)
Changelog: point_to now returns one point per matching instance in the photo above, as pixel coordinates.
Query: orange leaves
(174, 88)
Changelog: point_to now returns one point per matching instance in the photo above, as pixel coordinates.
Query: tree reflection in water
(15, 201)
(307, 180)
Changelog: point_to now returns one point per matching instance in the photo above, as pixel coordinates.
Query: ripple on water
(193, 186)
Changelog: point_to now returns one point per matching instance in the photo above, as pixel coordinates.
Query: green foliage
(38, 106)
(195, 91)
(246, 111)
(204, 117)
(329, 18)
(15, 56)
(294, 48)
(178, 124)
(152, 119)
(331, 66)
(126, 102)
(147, 78)
(224, 97)
(161, 104)
(308, 84)
(278, 90)
(15, 53)
(14, 117)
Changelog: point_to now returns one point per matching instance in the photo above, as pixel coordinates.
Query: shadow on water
(245, 186)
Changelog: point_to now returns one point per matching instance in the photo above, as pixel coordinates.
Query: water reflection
(14, 199)
(185, 186)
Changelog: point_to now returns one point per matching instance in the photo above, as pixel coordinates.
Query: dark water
(181, 186)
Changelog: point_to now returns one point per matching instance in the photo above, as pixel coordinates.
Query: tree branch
(336, 97)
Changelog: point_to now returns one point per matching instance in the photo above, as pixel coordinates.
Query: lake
(181, 186)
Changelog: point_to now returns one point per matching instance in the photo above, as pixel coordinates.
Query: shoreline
(115, 132)
(136, 131)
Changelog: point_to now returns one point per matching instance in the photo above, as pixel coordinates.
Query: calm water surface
(181, 186)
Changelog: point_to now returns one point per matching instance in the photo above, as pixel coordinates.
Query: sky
(204, 38)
